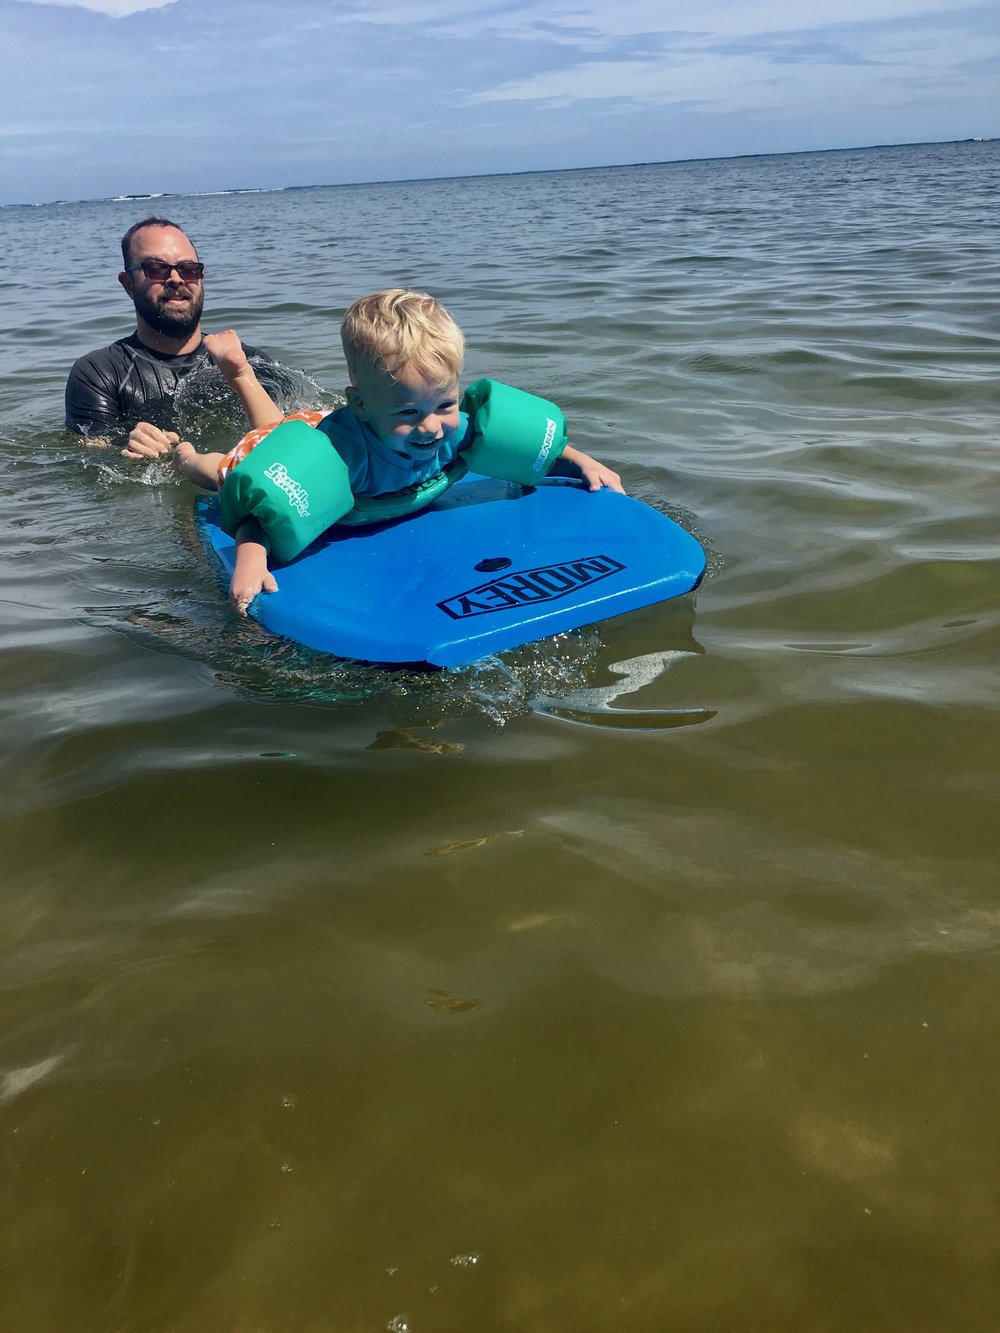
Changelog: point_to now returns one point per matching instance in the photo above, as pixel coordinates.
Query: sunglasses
(158, 270)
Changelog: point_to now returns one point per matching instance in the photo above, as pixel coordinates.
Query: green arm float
(294, 483)
(517, 436)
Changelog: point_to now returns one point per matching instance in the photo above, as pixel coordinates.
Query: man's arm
(91, 402)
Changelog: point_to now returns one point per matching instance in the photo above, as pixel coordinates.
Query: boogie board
(489, 566)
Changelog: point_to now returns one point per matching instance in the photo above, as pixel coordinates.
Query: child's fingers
(605, 477)
(242, 597)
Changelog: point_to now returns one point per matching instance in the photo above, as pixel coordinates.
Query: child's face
(410, 414)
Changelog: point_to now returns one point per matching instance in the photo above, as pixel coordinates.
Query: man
(132, 383)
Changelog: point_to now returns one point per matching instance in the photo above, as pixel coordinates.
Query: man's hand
(148, 441)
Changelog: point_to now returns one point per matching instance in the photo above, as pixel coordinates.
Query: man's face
(171, 307)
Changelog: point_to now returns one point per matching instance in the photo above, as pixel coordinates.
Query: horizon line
(486, 175)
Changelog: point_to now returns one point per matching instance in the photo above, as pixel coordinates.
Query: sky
(108, 97)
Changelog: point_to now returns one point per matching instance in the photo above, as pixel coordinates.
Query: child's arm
(202, 469)
(251, 574)
(595, 474)
(227, 352)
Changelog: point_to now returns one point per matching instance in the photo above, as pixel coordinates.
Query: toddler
(401, 425)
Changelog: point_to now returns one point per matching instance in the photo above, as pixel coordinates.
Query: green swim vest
(295, 484)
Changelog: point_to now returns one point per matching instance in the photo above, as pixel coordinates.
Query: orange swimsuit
(310, 416)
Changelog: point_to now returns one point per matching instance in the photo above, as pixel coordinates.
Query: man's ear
(353, 395)
(126, 281)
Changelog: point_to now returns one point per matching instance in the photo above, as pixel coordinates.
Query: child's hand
(250, 573)
(595, 474)
(243, 589)
(226, 351)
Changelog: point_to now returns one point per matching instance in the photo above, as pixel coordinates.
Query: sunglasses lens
(158, 270)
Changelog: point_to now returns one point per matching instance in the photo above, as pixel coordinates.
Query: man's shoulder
(118, 357)
(123, 350)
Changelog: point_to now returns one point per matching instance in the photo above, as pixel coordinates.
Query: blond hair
(398, 328)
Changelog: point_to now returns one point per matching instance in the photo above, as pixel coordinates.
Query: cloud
(448, 87)
(115, 9)
(593, 24)
(739, 72)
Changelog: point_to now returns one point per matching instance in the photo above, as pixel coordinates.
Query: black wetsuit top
(117, 386)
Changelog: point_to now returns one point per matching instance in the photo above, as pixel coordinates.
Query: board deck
(486, 568)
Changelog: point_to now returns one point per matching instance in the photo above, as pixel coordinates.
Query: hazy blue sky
(126, 96)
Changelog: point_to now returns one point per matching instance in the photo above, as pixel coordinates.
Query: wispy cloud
(742, 73)
(592, 24)
(115, 9)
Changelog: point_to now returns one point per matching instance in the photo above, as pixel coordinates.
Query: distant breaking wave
(193, 194)
(250, 189)
(163, 194)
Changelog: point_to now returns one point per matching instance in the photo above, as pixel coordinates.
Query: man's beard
(170, 321)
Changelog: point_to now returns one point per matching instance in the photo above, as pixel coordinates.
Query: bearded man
(131, 384)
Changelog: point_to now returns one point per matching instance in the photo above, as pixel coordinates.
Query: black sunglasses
(158, 270)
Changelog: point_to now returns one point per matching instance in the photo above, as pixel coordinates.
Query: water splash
(209, 414)
(593, 706)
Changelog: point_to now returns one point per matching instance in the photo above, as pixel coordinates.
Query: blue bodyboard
(487, 567)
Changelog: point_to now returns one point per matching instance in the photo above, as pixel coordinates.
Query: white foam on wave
(17, 1080)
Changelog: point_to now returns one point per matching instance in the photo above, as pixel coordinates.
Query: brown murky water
(645, 979)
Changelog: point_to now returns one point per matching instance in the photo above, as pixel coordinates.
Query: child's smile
(408, 412)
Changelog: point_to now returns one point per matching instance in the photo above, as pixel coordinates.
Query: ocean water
(642, 979)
